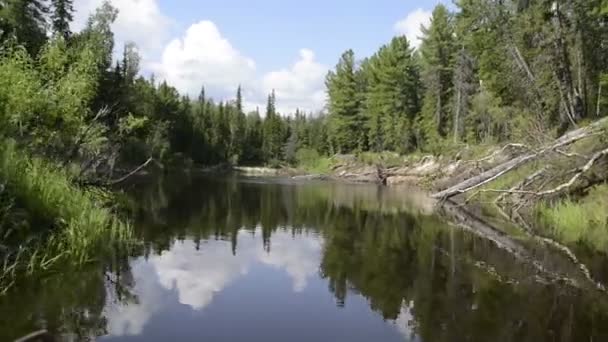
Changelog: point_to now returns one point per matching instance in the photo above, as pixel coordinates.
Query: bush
(583, 221)
(65, 222)
(311, 161)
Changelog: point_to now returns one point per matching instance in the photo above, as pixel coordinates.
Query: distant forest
(487, 72)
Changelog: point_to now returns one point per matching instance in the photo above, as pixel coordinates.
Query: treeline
(488, 72)
(66, 98)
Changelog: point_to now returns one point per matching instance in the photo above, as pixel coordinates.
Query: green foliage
(437, 59)
(385, 158)
(75, 223)
(392, 97)
(346, 122)
(24, 21)
(62, 15)
(311, 161)
(578, 221)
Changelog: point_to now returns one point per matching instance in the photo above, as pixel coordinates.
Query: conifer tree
(62, 16)
(346, 121)
(437, 57)
(25, 20)
(392, 98)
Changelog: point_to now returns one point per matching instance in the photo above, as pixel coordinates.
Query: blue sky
(263, 44)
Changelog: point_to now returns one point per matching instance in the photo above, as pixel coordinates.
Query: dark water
(250, 260)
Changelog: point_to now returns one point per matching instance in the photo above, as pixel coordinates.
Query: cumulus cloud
(130, 320)
(204, 56)
(300, 259)
(199, 275)
(140, 21)
(411, 25)
(300, 86)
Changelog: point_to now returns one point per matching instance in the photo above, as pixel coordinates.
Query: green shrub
(66, 223)
(311, 161)
(585, 220)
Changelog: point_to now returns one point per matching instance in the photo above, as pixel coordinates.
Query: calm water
(237, 259)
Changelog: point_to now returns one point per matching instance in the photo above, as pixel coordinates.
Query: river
(251, 259)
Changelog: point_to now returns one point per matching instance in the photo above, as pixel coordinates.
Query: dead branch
(136, 170)
(497, 152)
(100, 113)
(524, 183)
(41, 335)
(574, 178)
(501, 169)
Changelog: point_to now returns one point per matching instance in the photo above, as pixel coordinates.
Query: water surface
(238, 259)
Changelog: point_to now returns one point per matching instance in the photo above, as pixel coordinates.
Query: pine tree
(237, 128)
(465, 85)
(344, 102)
(62, 16)
(437, 56)
(272, 130)
(392, 98)
(25, 20)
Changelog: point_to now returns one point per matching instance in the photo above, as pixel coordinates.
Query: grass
(311, 161)
(578, 221)
(62, 222)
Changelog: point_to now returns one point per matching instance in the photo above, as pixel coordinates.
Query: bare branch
(136, 170)
(499, 170)
(497, 152)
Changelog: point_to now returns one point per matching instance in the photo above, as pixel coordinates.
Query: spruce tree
(344, 104)
(392, 97)
(437, 58)
(62, 16)
(25, 20)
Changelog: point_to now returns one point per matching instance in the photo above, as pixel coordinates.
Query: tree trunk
(457, 115)
(499, 170)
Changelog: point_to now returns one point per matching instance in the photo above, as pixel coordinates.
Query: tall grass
(579, 221)
(65, 222)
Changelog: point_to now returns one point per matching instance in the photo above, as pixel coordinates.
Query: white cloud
(140, 21)
(300, 259)
(300, 86)
(199, 275)
(204, 57)
(410, 26)
(405, 322)
(130, 320)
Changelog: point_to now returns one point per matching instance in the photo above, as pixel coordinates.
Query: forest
(75, 119)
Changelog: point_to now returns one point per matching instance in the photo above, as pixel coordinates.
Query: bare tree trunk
(599, 99)
(438, 110)
(457, 115)
(563, 70)
(499, 170)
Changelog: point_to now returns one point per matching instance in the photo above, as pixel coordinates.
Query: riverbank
(553, 188)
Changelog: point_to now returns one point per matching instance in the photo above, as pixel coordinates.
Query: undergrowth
(46, 219)
(582, 220)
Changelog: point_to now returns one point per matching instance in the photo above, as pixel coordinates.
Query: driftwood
(501, 169)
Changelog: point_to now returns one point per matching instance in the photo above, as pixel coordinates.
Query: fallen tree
(513, 164)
